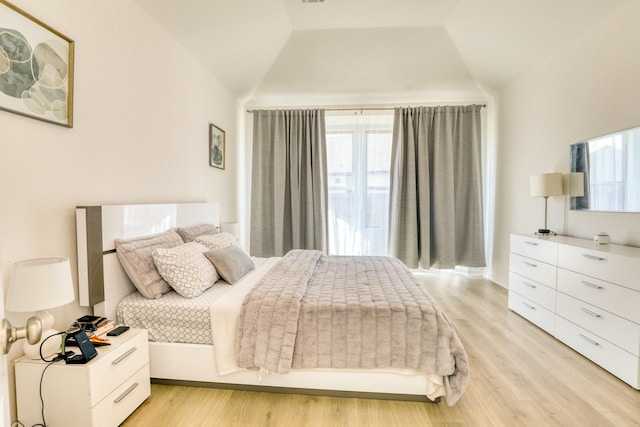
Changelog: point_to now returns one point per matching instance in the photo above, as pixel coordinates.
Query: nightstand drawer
(616, 299)
(119, 404)
(533, 312)
(533, 269)
(615, 360)
(618, 331)
(115, 366)
(534, 291)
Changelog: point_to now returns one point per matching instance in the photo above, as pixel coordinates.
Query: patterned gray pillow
(136, 259)
(217, 241)
(189, 234)
(186, 269)
(231, 263)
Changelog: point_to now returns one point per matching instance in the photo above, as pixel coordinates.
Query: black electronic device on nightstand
(87, 350)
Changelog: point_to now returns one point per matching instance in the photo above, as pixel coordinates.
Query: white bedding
(224, 317)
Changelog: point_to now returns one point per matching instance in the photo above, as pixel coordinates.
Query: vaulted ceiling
(264, 49)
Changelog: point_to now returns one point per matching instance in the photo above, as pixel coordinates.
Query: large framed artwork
(36, 68)
(217, 154)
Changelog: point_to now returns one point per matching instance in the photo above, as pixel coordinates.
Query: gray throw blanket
(312, 311)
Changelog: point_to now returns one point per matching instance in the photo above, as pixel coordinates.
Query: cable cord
(44, 423)
(58, 357)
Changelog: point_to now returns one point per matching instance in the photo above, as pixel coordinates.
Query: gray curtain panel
(288, 182)
(579, 158)
(435, 213)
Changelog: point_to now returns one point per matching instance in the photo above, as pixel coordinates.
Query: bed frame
(103, 283)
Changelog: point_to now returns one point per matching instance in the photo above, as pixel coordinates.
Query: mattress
(174, 318)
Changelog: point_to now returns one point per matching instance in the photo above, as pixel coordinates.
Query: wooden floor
(520, 376)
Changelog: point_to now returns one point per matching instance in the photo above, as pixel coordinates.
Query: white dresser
(103, 392)
(586, 295)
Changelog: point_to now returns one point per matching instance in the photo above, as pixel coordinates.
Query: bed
(201, 345)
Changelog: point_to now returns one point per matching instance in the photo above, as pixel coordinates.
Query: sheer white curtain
(358, 165)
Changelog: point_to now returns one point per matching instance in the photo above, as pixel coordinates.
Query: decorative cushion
(185, 268)
(135, 255)
(231, 263)
(217, 241)
(189, 234)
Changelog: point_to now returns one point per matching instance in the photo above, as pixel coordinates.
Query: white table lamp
(38, 285)
(545, 185)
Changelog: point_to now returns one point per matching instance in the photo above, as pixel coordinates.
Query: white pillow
(185, 268)
(217, 241)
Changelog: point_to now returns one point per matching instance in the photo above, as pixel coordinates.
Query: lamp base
(51, 347)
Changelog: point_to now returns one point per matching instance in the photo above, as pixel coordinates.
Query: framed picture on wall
(217, 143)
(36, 68)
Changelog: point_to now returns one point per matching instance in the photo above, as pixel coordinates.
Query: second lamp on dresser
(586, 295)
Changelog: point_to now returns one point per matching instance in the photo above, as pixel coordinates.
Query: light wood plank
(520, 376)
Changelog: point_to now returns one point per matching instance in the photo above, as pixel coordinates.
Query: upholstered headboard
(102, 282)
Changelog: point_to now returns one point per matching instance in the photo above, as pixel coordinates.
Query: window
(358, 163)
(613, 173)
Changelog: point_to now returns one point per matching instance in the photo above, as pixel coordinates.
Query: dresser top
(589, 244)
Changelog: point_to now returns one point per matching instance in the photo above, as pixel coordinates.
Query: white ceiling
(269, 49)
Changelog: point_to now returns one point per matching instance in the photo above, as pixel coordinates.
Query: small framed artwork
(36, 68)
(217, 152)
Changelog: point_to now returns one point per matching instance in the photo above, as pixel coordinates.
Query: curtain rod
(346, 108)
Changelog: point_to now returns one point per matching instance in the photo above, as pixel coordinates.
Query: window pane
(358, 162)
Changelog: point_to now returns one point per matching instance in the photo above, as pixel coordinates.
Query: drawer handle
(530, 264)
(530, 285)
(124, 356)
(531, 243)
(589, 312)
(597, 258)
(528, 305)
(125, 393)
(592, 285)
(586, 338)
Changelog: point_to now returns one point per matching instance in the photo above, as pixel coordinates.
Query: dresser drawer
(535, 248)
(122, 401)
(622, 301)
(534, 291)
(538, 271)
(533, 312)
(115, 366)
(601, 264)
(620, 363)
(618, 331)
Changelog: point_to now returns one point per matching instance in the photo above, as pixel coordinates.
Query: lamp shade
(545, 185)
(40, 284)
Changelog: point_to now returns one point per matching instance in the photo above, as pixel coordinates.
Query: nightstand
(103, 392)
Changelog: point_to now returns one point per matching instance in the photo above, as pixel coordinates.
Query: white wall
(586, 90)
(140, 135)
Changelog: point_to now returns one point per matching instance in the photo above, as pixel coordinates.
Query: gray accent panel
(95, 264)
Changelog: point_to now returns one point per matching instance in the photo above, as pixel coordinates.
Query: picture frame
(36, 68)
(217, 147)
